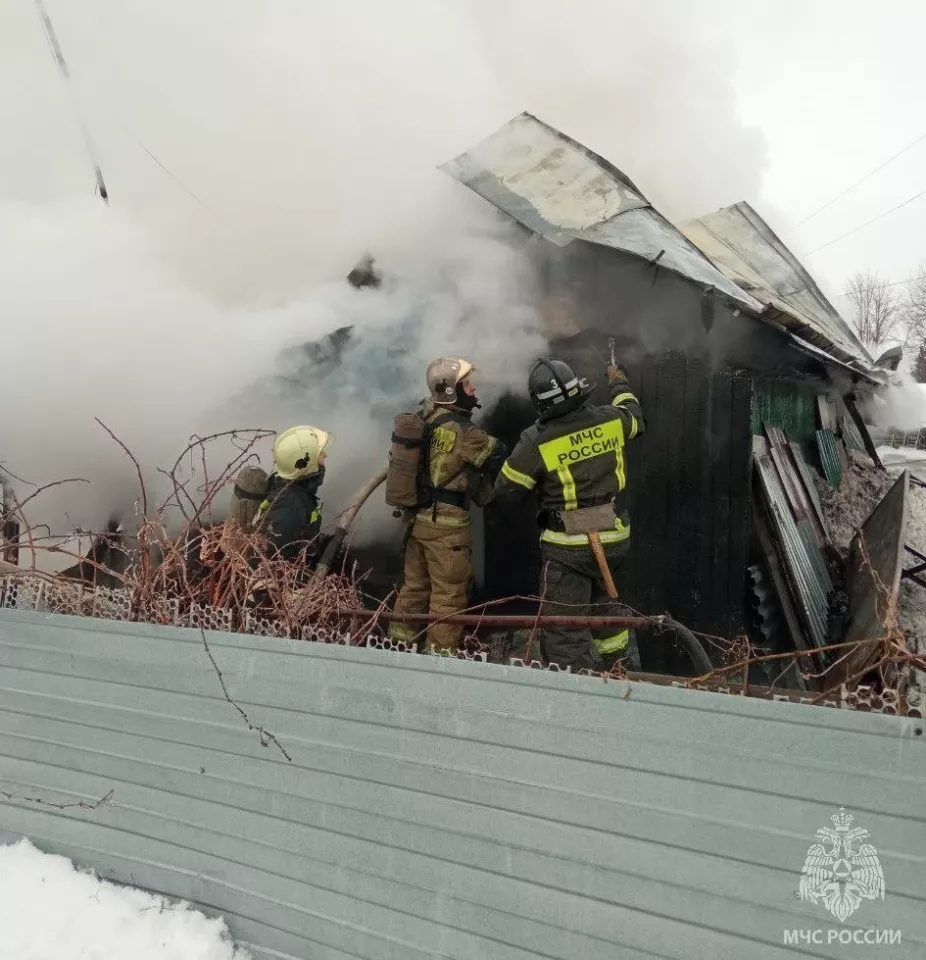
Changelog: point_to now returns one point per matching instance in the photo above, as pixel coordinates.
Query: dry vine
(188, 569)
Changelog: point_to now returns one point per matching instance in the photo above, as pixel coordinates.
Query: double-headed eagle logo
(840, 870)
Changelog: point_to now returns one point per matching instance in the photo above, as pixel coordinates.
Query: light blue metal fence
(439, 808)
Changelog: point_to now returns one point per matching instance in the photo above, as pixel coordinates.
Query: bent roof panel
(564, 192)
(749, 252)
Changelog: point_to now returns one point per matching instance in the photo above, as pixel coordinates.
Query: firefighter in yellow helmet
(459, 464)
(290, 517)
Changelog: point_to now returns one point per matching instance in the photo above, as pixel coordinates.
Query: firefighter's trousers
(438, 573)
(571, 584)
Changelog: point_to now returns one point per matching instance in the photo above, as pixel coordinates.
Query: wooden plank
(826, 413)
(804, 471)
(789, 482)
(637, 578)
(740, 518)
(676, 506)
(695, 527)
(721, 428)
(780, 581)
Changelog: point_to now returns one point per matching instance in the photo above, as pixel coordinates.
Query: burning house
(747, 375)
(748, 379)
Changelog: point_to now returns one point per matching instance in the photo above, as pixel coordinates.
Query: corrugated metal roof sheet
(806, 571)
(851, 433)
(829, 457)
(785, 404)
(439, 808)
(563, 191)
(743, 245)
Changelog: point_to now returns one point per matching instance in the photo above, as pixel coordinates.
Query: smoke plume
(253, 152)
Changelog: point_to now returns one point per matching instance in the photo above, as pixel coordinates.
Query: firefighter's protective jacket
(457, 458)
(576, 461)
(292, 515)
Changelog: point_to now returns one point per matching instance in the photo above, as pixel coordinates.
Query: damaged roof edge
(564, 191)
(751, 254)
(593, 157)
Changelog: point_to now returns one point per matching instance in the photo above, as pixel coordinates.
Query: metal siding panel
(803, 563)
(786, 405)
(444, 808)
(829, 457)
(851, 432)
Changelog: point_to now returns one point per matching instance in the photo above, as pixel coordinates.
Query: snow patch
(49, 910)
(846, 509)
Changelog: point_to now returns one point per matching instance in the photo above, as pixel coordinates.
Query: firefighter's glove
(615, 373)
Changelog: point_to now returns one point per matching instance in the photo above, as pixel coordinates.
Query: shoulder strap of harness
(431, 494)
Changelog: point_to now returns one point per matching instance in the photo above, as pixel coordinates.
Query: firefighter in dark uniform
(290, 516)
(574, 457)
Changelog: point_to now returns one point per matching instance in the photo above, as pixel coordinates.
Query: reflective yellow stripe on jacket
(607, 645)
(619, 534)
(561, 454)
(619, 401)
(515, 476)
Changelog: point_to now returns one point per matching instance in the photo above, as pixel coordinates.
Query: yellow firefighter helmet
(300, 451)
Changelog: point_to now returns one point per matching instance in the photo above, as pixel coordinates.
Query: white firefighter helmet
(443, 376)
(299, 452)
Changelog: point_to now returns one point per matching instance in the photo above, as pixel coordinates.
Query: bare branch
(82, 804)
(266, 738)
(878, 313)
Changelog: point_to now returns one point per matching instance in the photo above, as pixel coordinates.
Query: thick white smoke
(252, 153)
(901, 405)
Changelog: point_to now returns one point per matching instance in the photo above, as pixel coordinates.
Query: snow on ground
(51, 911)
(846, 509)
(902, 457)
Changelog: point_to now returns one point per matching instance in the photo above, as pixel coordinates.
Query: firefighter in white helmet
(459, 465)
(291, 515)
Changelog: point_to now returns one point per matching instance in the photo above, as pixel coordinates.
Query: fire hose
(345, 519)
(656, 625)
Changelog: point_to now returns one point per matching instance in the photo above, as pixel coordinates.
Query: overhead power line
(170, 173)
(862, 179)
(867, 223)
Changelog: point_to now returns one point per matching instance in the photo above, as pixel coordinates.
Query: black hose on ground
(696, 652)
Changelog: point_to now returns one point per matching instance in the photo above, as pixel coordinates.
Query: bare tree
(914, 310)
(919, 364)
(878, 313)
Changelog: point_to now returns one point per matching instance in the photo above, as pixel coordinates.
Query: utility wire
(862, 179)
(55, 48)
(867, 223)
(171, 174)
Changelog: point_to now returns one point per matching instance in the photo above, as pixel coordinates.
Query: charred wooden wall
(692, 358)
(689, 497)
